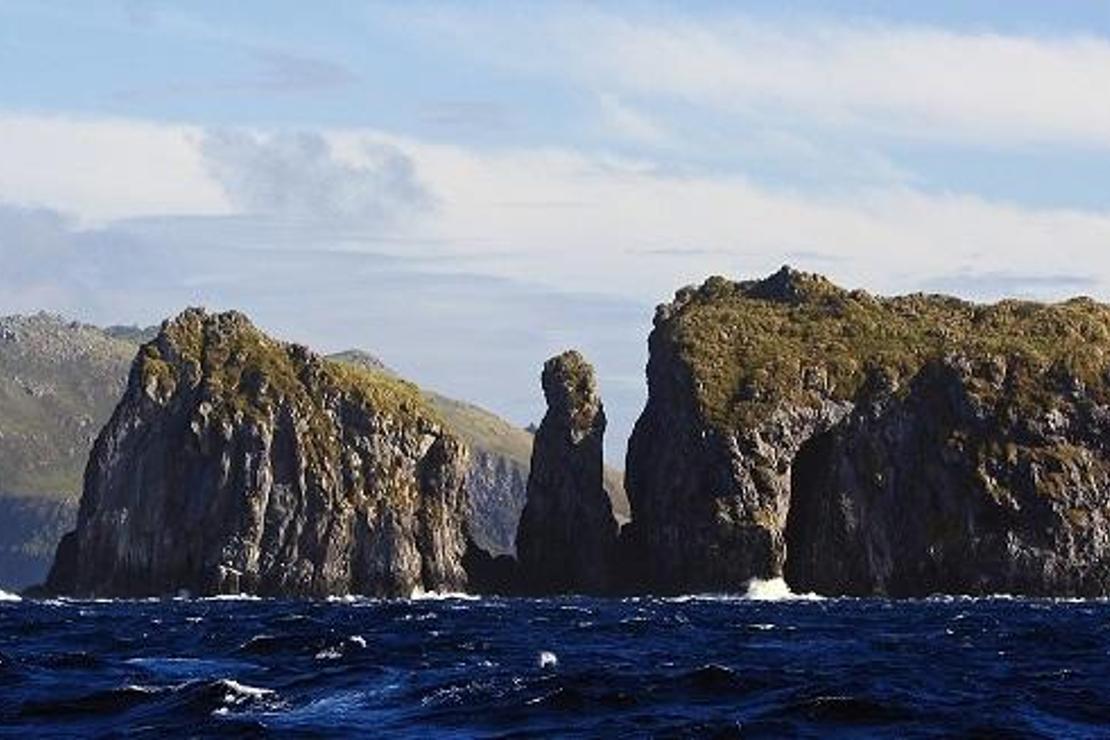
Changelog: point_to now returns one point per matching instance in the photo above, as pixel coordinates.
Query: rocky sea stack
(567, 538)
(865, 445)
(238, 464)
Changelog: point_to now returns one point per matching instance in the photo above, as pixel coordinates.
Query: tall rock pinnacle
(567, 537)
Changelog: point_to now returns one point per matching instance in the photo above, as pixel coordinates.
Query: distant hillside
(60, 381)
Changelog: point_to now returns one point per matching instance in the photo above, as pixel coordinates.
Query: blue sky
(467, 188)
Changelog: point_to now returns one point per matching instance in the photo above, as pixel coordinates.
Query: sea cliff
(868, 445)
(235, 463)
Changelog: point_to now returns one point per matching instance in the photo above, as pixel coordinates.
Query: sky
(465, 189)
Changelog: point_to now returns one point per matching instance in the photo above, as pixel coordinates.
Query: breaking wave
(775, 589)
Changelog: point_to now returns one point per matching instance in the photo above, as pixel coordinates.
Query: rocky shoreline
(853, 444)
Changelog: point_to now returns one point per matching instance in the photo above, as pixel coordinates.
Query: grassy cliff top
(796, 337)
(248, 372)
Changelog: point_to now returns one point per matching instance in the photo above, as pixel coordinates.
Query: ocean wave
(6, 596)
(352, 599)
(231, 597)
(757, 589)
(775, 589)
(239, 692)
(419, 594)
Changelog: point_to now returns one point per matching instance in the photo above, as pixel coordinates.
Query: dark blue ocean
(686, 667)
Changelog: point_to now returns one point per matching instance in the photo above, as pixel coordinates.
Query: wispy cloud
(997, 283)
(898, 80)
(467, 116)
(273, 72)
(628, 123)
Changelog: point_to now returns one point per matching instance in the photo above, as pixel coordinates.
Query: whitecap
(547, 659)
(757, 589)
(239, 692)
(329, 654)
(143, 688)
(358, 640)
(774, 589)
(232, 597)
(6, 596)
(419, 594)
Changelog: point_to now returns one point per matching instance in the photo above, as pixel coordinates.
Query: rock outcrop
(955, 484)
(567, 538)
(872, 445)
(236, 463)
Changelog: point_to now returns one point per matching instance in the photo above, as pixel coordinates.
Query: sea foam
(419, 594)
(774, 589)
(5, 596)
(757, 589)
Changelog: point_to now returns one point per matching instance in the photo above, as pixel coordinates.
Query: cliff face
(567, 538)
(235, 463)
(955, 485)
(872, 445)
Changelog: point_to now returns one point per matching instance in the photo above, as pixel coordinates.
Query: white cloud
(628, 123)
(912, 81)
(102, 169)
(622, 226)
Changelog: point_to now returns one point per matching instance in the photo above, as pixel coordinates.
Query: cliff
(61, 380)
(567, 539)
(866, 445)
(236, 463)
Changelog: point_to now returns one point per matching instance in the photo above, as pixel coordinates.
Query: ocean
(766, 664)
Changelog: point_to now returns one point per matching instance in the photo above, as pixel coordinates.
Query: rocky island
(238, 464)
(865, 445)
(850, 443)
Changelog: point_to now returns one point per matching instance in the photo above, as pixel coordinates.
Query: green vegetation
(798, 338)
(247, 375)
(483, 430)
